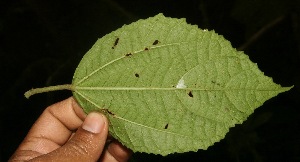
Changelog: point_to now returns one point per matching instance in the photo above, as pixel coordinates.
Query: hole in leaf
(146, 49)
(116, 43)
(137, 75)
(128, 54)
(155, 42)
(166, 126)
(190, 94)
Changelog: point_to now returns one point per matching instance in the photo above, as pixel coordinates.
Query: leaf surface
(167, 86)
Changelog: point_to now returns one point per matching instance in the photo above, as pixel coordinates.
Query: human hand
(53, 137)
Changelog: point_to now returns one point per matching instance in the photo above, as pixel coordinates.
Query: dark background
(42, 41)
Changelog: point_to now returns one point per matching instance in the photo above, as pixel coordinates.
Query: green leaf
(167, 86)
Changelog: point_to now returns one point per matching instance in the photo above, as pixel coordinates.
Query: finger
(116, 152)
(86, 145)
(53, 128)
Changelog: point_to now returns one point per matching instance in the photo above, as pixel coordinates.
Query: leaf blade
(167, 86)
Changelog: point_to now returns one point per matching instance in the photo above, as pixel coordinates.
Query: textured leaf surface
(167, 86)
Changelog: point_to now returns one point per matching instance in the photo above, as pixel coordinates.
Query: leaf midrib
(171, 89)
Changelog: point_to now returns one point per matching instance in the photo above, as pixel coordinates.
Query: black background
(42, 41)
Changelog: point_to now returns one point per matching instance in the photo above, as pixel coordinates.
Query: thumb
(88, 142)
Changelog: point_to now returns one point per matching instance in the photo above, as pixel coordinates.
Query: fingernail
(93, 123)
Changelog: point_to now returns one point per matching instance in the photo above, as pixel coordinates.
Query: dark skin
(65, 133)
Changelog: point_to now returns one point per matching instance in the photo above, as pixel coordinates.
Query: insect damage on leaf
(190, 94)
(107, 111)
(155, 42)
(116, 43)
(195, 85)
(166, 126)
(128, 54)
